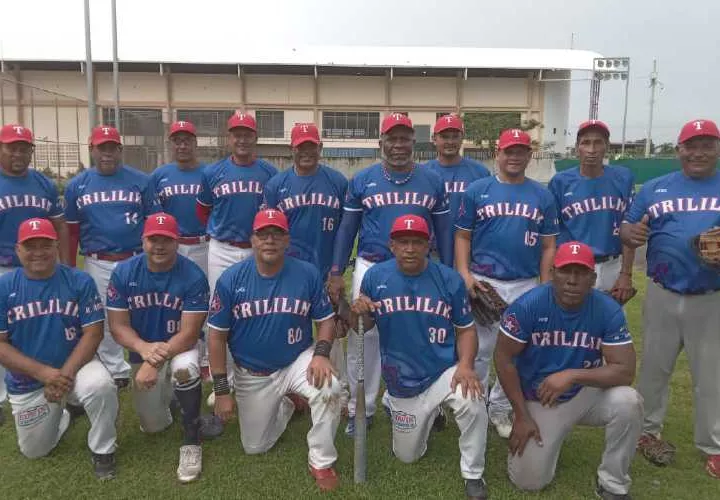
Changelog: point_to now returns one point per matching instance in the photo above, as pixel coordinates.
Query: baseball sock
(189, 395)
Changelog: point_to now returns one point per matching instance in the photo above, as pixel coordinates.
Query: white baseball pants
(412, 420)
(487, 338)
(110, 352)
(153, 406)
(264, 411)
(198, 253)
(607, 274)
(41, 424)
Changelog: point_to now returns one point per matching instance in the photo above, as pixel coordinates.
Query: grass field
(146, 463)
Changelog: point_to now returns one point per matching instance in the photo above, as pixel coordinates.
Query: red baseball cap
(596, 124)
(513, 137)
(182, 126)
(698, 128)
(15, 133)
(304, 132)
(574, 252)
(241, 119)
(36, 228)
(447, 122)
(103, 134)
(161, 224)
(268, 218)
(407, 225)
(395, 120)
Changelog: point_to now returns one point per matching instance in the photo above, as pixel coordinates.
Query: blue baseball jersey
(22, 198)
(177, 190)
(679, 208)
(43, 319)
(416, 321)
(457, 178)
(235, 193)
(382, 201)
(111, 209)
(269, 319)
(556, 339)
(591, 209)
(156, 301)
(507, 223)
(313, 205)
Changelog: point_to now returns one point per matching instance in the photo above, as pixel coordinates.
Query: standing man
(682, 303)
(51, 323)
(24, 193)
(106, 207)
(565, 358)
(428, 346)
(591, 201)
(456, 172)
(506, 237)
(157, 304)
(262, 312)
(376, 197)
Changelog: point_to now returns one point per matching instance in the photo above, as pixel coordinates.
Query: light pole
(606, 69)
(92, 114)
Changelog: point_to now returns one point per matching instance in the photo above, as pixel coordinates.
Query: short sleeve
(461, 314)
(71, 211)
(90, 306)
(57, 205)
(555, 189)
(549, 224)
(320, 307)
(366, 285)
(638, 207)
(270, 198)
(443, 203)
(353, 197)
(205, 195)
(116, 298)
(197, 296)
(3, 309)
(516, 323)
(220, 310)
(616, 332)
(466, 212)
(630, 195)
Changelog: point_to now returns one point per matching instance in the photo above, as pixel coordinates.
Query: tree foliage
(481, 126)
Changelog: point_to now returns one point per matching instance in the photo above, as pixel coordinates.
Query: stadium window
(271, 124)
(350, 125)
(136, 121)
(422, 133)
(208, 122)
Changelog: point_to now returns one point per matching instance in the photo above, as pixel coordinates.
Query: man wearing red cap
(591, 201)
(428, 346)
(157, 303)
(682, 303)
(565, 357)
(506, 237)
(51, 323)
(376, 197)
(262, 313)
(25, 193)
(456, 172)
(106, 207)
(230, 195)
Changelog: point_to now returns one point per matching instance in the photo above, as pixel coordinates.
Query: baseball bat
(360, 421)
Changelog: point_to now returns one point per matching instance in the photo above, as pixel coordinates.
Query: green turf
(146, 464)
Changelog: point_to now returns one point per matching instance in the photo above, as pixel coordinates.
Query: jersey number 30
(437, 335)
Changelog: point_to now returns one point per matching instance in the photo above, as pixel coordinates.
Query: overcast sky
(683, 36)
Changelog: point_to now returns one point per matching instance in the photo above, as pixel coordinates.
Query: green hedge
(643, 169)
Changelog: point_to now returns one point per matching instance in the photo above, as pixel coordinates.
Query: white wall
(556, 106)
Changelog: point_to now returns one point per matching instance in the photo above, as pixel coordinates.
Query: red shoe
(325, 479)
(712, 466)
(301, 404)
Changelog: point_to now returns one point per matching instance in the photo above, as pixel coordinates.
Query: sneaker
(712, 466)
(190, 463)
(211, 427)
(440, 421)
(122, 383)
(503, 424)
(104, 466)
(75, 410)
(656, 450)
(350, 428)
(475, 489)
(602, 493)
(325, 479)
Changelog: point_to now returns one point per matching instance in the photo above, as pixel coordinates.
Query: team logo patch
(215, 304)
(33, 415)
(403, 422)
(511, 325)
(112, 292)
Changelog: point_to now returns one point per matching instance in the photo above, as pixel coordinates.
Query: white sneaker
(503, 424)
(190, 463)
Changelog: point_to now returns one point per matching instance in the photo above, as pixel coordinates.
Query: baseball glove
(487, 305)
(707, 247)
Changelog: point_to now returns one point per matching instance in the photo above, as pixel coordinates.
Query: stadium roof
(333, 56)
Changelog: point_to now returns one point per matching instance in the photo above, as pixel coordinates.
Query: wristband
(322, 348)
(335, 271)
(221, 386)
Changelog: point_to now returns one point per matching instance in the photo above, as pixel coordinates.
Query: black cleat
(122, 383)
(104, 466)
(475, 489)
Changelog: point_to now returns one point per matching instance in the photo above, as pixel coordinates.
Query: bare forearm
(85, 349)
(187, 337)
(17, 362)
(604, 377)
(546, 266)
(510, 381)
(326, 331)
(628, 259)
(126, 336)
(217, 352)
(63, 241)
(462, 252)
(467, 345)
